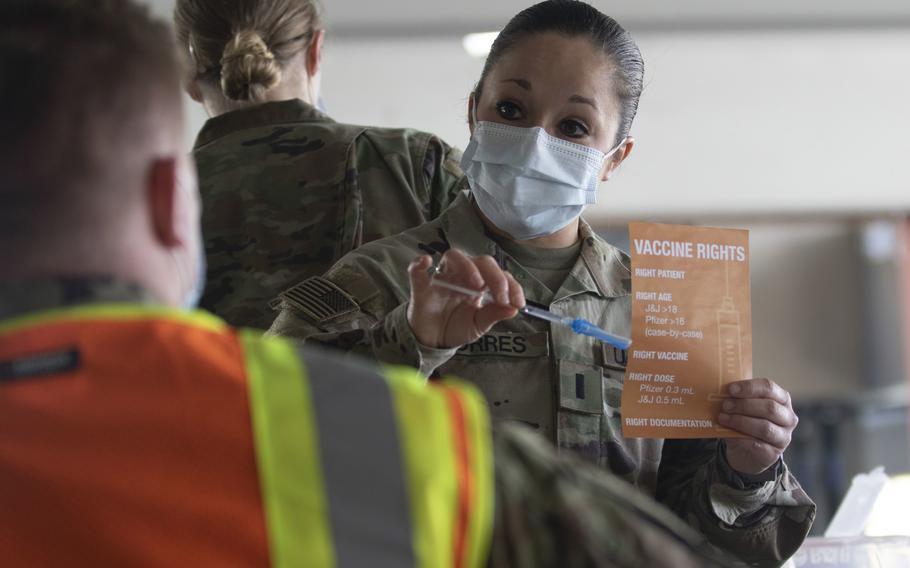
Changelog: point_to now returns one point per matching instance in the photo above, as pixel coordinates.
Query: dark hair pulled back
(572, 18)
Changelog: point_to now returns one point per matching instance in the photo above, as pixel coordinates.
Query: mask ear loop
(615, 148)
(609, 154)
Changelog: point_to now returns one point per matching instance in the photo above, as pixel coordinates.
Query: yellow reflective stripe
(290, 472)
(425, 430)
(115, 311)
(428, 440)
(477, 424)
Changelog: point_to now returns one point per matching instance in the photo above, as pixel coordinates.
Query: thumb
(491, 314)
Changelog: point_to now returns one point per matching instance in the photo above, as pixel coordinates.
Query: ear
(314, 53)
(614, 161)
(191, 86)
(161, 190)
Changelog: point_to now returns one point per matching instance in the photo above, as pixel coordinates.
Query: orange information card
(691, 329)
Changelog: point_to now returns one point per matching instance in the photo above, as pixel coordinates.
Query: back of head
(90, 94)
(243, 45)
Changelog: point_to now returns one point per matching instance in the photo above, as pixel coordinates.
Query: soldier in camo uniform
(127, 430)
(286, 190)
(552, 116)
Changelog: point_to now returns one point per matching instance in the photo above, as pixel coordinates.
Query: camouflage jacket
(287, 191)
(549, 511)
(566, 386)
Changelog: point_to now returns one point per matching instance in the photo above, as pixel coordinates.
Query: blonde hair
(248, 68)
(243, 45)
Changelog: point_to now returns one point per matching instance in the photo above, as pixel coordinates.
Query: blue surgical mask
(191, 300)
(528, 183)
(195, 288)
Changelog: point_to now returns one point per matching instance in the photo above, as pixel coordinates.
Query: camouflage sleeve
(357, 309)
(443, 175)
(389, 340)
(762, 523)
(394, 342)
(558, 511)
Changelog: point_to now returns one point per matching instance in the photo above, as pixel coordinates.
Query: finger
(766, 408)
(457, 268)
(488, 316)
(417, 274)
(761, 430)
(494, 278)
(759, 388)
(516, 292)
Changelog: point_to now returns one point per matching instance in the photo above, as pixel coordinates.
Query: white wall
(795, 122)
(807, 332)
(748, 123)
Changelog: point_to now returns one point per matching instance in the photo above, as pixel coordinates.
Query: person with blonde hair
(286, 190)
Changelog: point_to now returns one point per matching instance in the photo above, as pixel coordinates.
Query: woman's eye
(573, 129)
(509, 111)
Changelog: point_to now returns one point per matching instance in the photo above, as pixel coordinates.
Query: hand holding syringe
(578, 325)
(441, 317)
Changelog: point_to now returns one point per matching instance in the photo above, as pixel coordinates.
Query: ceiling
(370, 19)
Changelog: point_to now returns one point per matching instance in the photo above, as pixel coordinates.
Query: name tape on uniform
(508, 344)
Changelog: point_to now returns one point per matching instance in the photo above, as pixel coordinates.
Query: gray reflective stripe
(362, 463)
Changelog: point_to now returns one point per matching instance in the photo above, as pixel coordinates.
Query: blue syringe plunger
(584, 327)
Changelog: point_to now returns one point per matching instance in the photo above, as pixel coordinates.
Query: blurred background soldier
(286, 190)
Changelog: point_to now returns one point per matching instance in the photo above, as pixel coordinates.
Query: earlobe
(192, 89)
(161, 191)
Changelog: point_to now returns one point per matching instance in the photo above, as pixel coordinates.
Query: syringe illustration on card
(729, 342)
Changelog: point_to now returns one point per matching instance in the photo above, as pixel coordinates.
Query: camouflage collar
(464, 230)
(602, 269)
(20, 297)
(281, 112)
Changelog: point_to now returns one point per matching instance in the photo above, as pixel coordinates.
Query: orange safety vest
(141, 436)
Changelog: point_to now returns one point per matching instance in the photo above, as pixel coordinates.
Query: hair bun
(248, 67)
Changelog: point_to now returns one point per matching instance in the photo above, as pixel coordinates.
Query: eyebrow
(523, 83)
(582, 100)
(526, 85)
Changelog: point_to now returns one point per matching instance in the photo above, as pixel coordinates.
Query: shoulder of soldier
(609, 252)
(610, 266)
(413, 147)
(396, 138)
(324, 145)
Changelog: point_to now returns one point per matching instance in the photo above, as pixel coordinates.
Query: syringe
(578, 325)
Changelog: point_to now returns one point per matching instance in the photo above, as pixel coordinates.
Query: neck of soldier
(129, 257)
(295, 84)
(563, 238)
